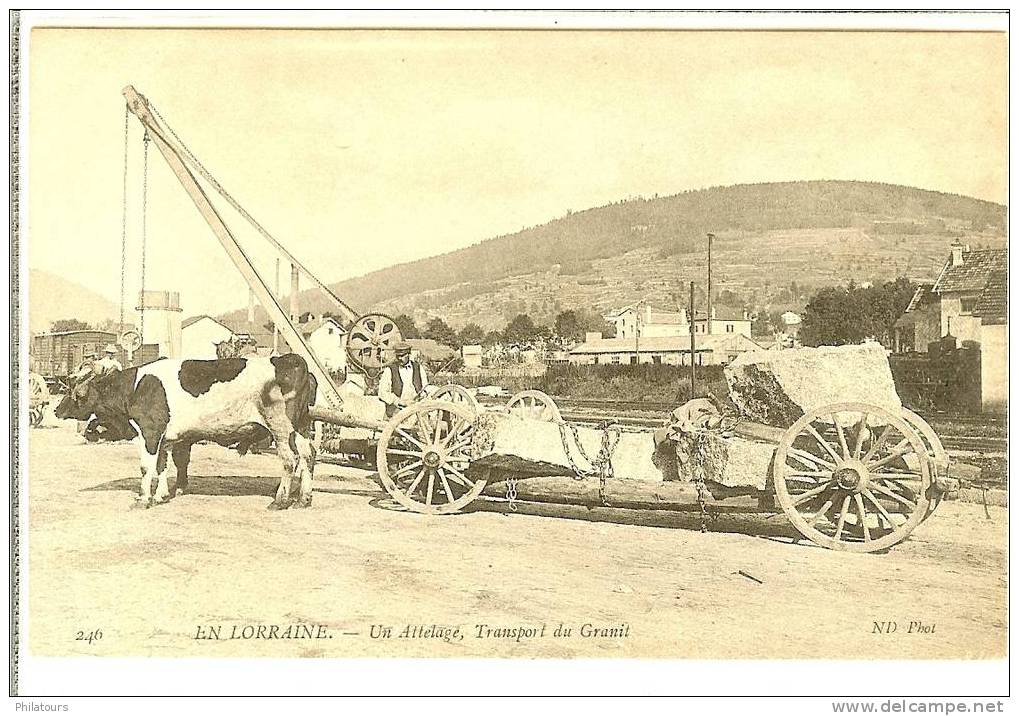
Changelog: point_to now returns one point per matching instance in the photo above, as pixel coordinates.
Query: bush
(648, 383)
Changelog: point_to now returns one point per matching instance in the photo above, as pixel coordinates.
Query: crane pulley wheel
(370, 342)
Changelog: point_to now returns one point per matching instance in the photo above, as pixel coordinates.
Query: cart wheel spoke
(819, 476)
(900, 450)
(861, 434)
(821, 512)
(862, 512)
(456, 426)
(445, 486)
(803, 497)
(457, 476)
(823, 443)
(880, 508)
(431, 486)
(406, 470)
(843, 446)
(894, 495)
(808, 459)
(438, 430)
(400, 451)
(877, 444)
(417, 481)
(842, 518)
(406, 436)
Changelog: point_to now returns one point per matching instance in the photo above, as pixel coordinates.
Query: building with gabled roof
(669, 350)
(645, 321)
(968, 306)
(199, 336)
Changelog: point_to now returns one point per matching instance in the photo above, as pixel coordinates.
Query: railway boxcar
(56, 355)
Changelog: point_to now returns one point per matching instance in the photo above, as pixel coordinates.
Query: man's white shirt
(408, 393)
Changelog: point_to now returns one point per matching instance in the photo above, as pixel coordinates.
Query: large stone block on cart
(778, 387)
(532, 447)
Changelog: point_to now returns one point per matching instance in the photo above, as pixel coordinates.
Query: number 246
(94, 635)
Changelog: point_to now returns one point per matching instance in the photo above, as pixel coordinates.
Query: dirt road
(217, 562)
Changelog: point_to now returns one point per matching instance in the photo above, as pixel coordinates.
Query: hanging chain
(601, 464)
(145, 211)
(604, 459)
(511, 493)
(579, 473)
(123, 227)
(700, 443)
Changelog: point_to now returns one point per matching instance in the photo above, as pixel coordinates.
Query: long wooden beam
(139, 106)
(344, 419)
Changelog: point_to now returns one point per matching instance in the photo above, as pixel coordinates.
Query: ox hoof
(303, 502)
(157, 500)
(274, 505)
(141, 504)
(178, 492)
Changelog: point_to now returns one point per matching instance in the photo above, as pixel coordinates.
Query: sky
(362, 149)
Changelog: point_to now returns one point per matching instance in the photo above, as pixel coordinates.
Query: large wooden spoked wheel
(454, 393)
(38, 393)
(935, 451)
(370, 339)
(535, 405)
(853, 477)
(423, 461)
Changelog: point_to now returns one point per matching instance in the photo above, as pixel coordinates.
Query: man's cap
(110, 348)
(402, 347)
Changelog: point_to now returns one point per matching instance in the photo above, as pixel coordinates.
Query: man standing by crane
(402, 382)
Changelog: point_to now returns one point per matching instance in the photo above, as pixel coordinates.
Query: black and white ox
(169, 405)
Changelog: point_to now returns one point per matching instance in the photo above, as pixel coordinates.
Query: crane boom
(191, 161)
(139, 106)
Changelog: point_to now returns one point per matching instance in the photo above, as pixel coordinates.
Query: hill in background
(51, 297)
(775, 243)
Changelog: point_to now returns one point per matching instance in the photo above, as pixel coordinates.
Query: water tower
(160, 314)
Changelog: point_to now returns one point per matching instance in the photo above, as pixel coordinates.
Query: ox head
(82, 396)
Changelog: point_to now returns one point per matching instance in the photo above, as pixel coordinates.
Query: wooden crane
(179, 160)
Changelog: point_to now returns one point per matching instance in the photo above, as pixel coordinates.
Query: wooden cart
(848, 476)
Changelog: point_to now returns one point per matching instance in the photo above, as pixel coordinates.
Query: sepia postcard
(610, 339)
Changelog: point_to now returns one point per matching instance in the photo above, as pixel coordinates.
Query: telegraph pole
(693, 347)
(636, 333)
(711, 238)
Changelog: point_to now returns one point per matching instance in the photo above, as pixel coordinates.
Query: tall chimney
(957, 249)
(295, 287)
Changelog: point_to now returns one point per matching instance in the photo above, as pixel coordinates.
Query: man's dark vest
(394, 372)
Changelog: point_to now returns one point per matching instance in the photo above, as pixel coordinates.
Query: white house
(669, 350)
(648, 323)
(472, 356)
(199, 336)
(328, 340)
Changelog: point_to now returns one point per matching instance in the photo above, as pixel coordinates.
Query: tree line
(837, 315)
(568, 327)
